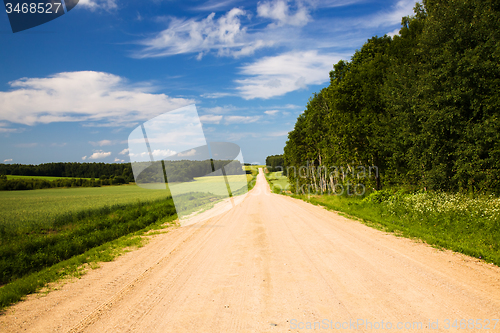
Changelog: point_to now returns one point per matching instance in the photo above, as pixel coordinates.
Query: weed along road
(271, 264)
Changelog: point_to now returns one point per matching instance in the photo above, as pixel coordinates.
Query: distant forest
(423, 106)
(108, 174)
(275, 163)
(72, 170)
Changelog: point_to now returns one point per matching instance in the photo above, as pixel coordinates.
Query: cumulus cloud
(393, 33)
(83, 96)
(271, 112)
(84, 157)
(8, 160)
(118, 160)
(99, 155)
(241, 119)
(224, 35)
(157, 153)
(278, 75)
(163, 153)
(279, 11)
(124, 152)
(210, 119)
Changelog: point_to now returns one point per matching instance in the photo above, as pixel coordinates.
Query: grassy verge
(75, 266)
(277, 182)
(252, 178)
(25, 253)
(450, 221)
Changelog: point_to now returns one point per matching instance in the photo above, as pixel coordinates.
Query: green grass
(25, 211)
(76, 265)
(48, 178)
(252, 179)
(277, 182)
(24, 253)
(450, 221)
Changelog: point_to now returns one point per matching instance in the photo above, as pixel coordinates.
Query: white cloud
(163, 153)
(220, 109)
(83, 96)
(99, 154)
(271, 112)
(216, 95)
(210, 119)
(225, 35)
(390, 17)
(8, 160)
(279, 11)
(393, 33)
(213, 5)
(84, 157)
(4, 128)
(241, 119)
(124, 151)
(157, 153)
(101, 143)
(118, 160)
(191, 152)
(94, 5)
(278, 75)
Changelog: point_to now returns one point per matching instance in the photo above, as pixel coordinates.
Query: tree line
(71, 170)
(275, 163)
(422, 107)
(84, 174)
(36, 184)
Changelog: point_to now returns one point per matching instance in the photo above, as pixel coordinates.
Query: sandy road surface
(272, 264)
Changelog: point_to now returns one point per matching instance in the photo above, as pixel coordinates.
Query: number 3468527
(33, 8)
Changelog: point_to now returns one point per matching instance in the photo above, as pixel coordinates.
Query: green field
(40, 229)
(26, 210)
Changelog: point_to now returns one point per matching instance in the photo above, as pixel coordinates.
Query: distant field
(9, 177)
(25, 210)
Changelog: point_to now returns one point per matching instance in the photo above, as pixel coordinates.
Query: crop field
(24, 211)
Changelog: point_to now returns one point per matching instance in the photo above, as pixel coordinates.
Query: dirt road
(272, 264)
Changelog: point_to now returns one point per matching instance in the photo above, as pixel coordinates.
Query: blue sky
(73, 89)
